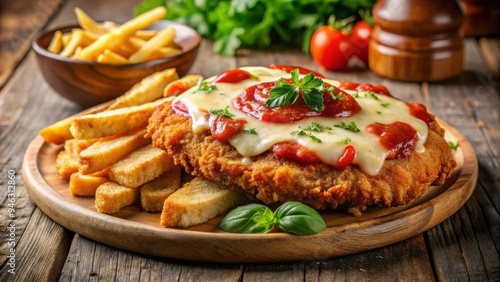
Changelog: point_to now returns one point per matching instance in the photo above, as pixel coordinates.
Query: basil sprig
(285, 93)
(290, 217)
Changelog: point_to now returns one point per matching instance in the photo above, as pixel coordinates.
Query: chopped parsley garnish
(346, 140)
(301, 132)
(385, 105)
(285, 93)
(453, 146)
(379, 112)
(250, 130)
(348, 126)
(204, 87)
(314, 126)
(335, 96)
(356, 94)
(373, 95)
(222, 112)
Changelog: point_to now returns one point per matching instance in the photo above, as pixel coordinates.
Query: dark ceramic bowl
(90, 83)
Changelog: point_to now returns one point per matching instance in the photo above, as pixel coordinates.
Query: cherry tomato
(360, 36)
(330, 48)
(232, 76)
(347, 157)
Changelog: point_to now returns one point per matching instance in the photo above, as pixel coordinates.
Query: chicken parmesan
(284, 133)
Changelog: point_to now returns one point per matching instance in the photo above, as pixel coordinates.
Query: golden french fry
(197, 202)
(58, 132)
(85, 185)
(111, 197)
(140, 22)
(56, 44)
(66, 38)
(76, 40)
(121, 32)
(87, 23)
(161, 39)
(66, 165)
(109, 25)
(145, 34)
(154, 192)
(164, 52)
(147, 90)
(103, 154)
(136, 42)
(141, 166)
(110, 57)
(180, 85)
(113, 122)
(75, 146)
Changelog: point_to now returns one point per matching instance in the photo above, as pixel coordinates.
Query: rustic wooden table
(464, 247)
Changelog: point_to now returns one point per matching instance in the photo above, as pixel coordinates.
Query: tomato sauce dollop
(399, 138)
(252, 101)
(223, 128)
(232, 76)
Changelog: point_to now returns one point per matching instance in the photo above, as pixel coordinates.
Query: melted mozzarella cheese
(370, 154)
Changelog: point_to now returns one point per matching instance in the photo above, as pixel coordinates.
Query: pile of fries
(106, 156)
(110, 43)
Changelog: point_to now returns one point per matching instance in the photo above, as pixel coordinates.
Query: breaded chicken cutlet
(297, 164)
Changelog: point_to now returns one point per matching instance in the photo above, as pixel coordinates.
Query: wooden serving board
(136, 230)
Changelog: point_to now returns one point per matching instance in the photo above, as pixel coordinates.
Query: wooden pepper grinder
(417, 40)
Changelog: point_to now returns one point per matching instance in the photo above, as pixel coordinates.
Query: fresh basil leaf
(295, 76)
(252, 218)
(311, 82)
(282, 96)
(297, 218)
(313, 99)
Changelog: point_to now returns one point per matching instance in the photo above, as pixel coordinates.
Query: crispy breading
(198, 201)
(399, 182)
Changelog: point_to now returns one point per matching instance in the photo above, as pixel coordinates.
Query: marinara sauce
(252, 101)
(398, 138)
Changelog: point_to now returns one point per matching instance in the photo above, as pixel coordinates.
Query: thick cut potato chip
(113, 122)
(85, 185)
(111, 197)
(197, 202)
(141, 166)
(75, 146)
(154, 192)
(103, 154)
(66, 165)
(147, 90)
(58, 132)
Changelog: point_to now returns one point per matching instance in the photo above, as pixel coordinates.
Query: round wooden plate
(136, 230)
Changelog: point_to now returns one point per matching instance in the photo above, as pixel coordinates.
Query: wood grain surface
(464, 247)
(136, 230)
